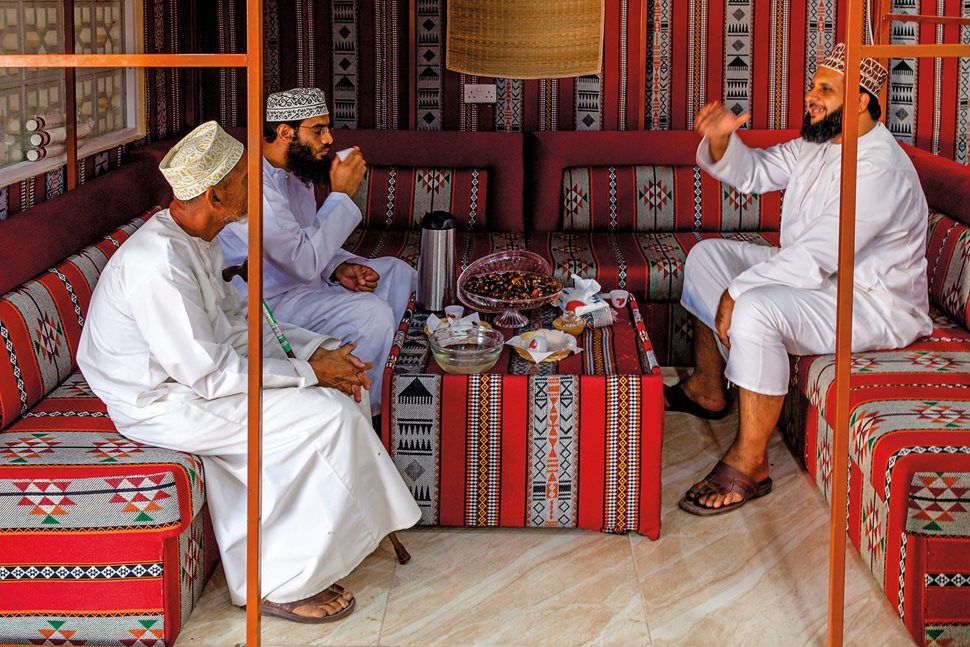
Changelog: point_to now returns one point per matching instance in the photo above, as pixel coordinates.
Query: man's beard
(303, 163)
(825, 130)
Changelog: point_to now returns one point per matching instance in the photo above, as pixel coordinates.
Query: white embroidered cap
(871, 73)
(200, 160)
(296, 105)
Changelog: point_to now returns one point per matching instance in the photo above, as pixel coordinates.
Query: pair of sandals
(331, 594)
(723, 479)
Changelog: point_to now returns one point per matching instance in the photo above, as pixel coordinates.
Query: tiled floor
(757, 576)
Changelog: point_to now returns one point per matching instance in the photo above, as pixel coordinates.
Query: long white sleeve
(304, 252)
(169, 312)
(813, 259)
(751, 170)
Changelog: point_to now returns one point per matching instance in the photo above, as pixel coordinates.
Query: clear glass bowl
(466, 348)
(498, 263)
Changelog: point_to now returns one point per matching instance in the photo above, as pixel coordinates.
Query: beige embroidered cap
(200, 160)
(871, 73)
(296, 105)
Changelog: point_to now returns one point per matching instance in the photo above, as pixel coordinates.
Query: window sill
(23, 170)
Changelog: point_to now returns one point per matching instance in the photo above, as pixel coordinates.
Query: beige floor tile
(754, 576)
(217, 622)
(515, 587)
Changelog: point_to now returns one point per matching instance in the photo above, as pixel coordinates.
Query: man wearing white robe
(308, 279)
(754, 305)
(164, 346)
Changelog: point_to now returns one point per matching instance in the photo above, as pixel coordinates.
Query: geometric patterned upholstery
(395, 198)
(948, 250)
(660, 199)
(41, 321)
(909, 481)
(101, 538)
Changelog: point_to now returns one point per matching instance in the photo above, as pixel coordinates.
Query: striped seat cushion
(660, 199)
(948, 266)
(909, 448)
(394, 198)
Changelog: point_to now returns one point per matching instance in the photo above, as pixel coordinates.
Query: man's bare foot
(708, 394)
(332, 603)
(755, 469)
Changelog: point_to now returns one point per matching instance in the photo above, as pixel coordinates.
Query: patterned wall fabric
(755, 56)
(661, 199)
(397, 198)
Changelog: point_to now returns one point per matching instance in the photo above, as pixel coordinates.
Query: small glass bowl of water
(466, 348)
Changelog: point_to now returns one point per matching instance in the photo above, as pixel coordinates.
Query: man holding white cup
(308, 279)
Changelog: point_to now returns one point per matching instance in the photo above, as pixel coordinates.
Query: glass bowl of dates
(466, 348)
(507, 282)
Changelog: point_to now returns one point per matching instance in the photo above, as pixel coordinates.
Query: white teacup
(619, 298)
(454, 312)
(342, 155)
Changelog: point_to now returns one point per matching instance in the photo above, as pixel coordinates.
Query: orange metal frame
(855, 52)
(252, 61)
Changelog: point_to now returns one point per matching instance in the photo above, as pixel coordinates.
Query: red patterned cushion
(398, 197)
(405, 244)
(41, 321)
(661, 199)
(909, 445)
(948, 266)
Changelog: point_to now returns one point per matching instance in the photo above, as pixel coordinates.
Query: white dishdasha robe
(785, 298)
(302, 248)
(164, 346)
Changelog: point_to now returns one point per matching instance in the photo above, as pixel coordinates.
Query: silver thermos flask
(436, 262)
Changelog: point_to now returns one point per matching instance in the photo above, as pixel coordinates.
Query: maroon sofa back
(605, 164)
(946, 183)
(42, 236)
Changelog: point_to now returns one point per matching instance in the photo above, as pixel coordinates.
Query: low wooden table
(573, 444)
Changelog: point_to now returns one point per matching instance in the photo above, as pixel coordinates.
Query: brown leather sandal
(723, 479)
(288, 610)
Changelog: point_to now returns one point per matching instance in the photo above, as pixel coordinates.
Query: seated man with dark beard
(754, 305)
(308, 280)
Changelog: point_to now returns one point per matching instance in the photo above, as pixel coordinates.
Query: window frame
(134, 107)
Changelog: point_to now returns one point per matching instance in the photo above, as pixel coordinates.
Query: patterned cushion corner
(393, 197)
(939, 504)
(660, 199)
(41, 321)
(948, 266)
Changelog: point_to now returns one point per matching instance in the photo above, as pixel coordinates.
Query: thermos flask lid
(438, 220)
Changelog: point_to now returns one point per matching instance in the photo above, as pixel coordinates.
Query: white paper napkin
(556, 340)
(586, 291)
(434, 322)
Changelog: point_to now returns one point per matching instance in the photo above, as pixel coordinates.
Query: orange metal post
(70, 97)
(843, 325)
(123, 60)
(254, 117)
(412, 65)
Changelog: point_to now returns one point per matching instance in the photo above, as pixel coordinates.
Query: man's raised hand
(716, 122)
(346, 175)
(340, 369)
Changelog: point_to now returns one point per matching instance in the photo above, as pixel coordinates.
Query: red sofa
(102, 540)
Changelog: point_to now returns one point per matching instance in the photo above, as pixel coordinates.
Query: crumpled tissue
(540, 344)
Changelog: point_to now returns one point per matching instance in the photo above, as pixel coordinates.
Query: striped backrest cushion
(660, 198)
(397, 197)
(41, 321)
(948, 266)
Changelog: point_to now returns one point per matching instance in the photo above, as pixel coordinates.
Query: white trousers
(330, 492)
(772, 322)
(369, 319)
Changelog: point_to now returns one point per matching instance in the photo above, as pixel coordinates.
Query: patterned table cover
(566, 445)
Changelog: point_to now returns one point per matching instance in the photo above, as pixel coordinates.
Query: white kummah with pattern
(296, 105)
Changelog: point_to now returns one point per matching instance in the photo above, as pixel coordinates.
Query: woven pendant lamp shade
(525, 39)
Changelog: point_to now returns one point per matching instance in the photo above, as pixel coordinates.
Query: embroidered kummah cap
(296, 105)
(200, 160)
(871, 73)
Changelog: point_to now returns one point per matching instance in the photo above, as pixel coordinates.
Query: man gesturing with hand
(754, 305)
